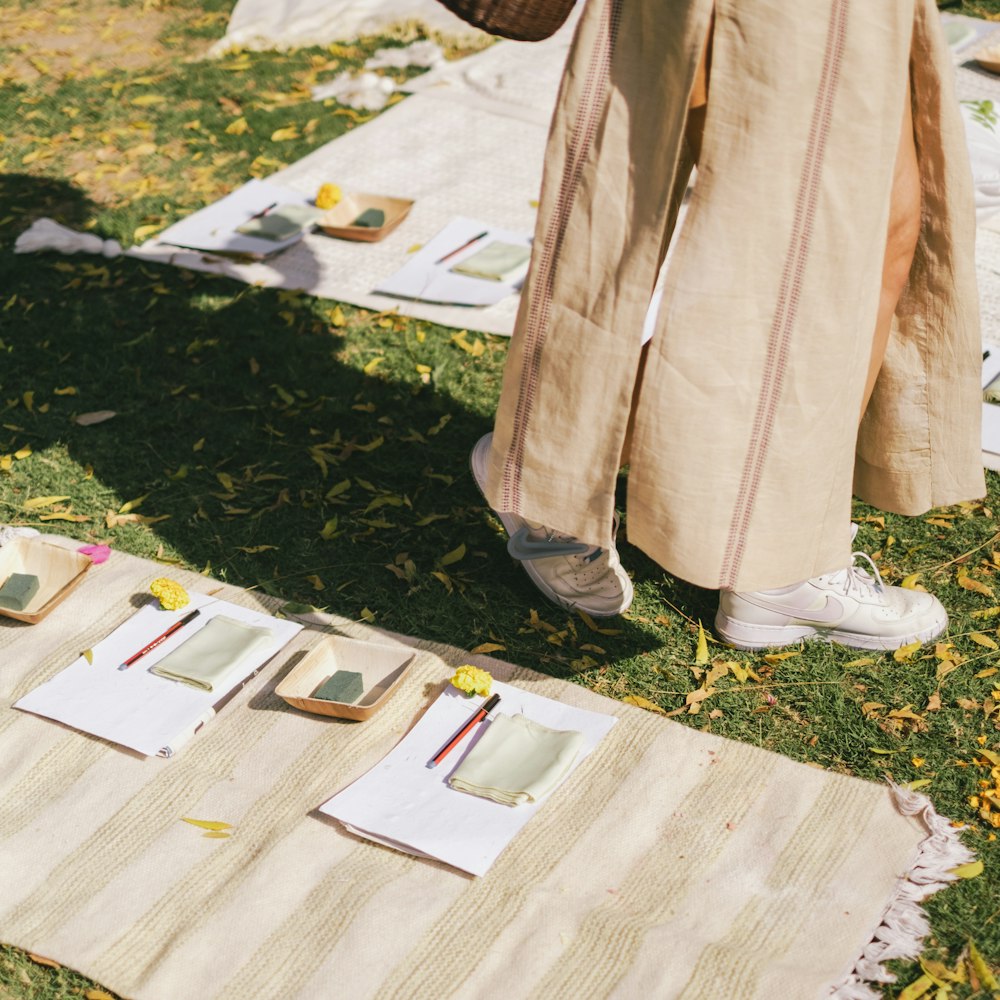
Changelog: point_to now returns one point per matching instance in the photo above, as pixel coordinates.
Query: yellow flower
(472, 680)
(328, 196)
(170, 593)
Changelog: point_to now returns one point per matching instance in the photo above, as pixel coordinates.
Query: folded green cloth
(517, 760)
(213, 652)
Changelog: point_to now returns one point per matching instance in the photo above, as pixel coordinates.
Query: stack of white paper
(403, 804)
(134, 707)
(213, 229)
(429, 277)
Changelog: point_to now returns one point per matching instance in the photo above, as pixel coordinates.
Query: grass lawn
(318, 451)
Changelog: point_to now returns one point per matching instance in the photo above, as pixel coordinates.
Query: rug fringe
(904, 924)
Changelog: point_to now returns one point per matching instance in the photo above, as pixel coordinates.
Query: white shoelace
(855, 581)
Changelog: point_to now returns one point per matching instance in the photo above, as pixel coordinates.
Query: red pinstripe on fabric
(535, 330)
(787, 305)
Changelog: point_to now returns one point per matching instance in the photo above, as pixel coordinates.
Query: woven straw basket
(523, 20)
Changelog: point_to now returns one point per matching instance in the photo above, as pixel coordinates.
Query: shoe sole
(511, 523)
(743, 635)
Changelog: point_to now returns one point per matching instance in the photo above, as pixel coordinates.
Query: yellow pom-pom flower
(328, 196)
(472, 680)
(171, 595)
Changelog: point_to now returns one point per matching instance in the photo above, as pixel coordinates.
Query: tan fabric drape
(745, 427)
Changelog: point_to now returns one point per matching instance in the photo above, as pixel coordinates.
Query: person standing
(825, 269)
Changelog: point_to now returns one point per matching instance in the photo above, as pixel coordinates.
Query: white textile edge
(904, 925)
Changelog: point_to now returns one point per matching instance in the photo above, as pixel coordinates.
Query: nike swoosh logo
(522, 546)
(831, 612)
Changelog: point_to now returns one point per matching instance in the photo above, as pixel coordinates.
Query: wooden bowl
(59, 570)
(382, 668)
(337, 222)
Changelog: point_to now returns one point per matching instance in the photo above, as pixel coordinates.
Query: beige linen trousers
(745, 435)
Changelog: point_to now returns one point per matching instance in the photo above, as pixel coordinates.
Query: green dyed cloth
(517, 760)
(214, 651)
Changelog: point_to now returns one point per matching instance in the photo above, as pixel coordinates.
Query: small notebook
(213, 652)
(497, 261)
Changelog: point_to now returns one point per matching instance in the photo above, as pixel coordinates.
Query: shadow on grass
(266, 445)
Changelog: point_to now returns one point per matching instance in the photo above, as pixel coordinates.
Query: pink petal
(97, 553)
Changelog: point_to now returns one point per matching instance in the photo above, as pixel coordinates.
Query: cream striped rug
(672, 864)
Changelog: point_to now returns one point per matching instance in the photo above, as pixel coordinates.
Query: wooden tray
(59, 570)
(381, 668)
(337, 222)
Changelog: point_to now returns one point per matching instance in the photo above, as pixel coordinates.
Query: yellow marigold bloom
(472, 680)
(328, 196)
(169, 593)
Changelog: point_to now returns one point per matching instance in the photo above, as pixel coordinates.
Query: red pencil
(160, 638)
(481, 714)
(464, 246)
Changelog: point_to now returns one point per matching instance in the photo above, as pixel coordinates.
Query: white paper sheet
(403, 804)
(214, 228)
(133, 707)
(423, 278)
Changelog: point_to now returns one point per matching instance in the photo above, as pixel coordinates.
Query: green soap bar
(370, 218)
(345, 686)
(18, 590)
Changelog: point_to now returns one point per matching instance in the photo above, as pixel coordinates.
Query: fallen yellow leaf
(917, 989)
(207, 824)
(454, 556)
(37, 502)
(982, 970)
(778, 657)
(285, 134)
(488, 647)
(986, 612)
(141, 233)
(132, 504)
(978, 586)
(906, 652)
(640, 702)
(42, 960)
(701, 653)
(970, 870)
(983, 640)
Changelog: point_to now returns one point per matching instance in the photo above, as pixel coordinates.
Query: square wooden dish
(58, 570)
(337, 222)
(381, 668)
(989, 59)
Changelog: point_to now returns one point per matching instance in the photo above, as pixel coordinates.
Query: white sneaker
(851, 607)
(571, 573)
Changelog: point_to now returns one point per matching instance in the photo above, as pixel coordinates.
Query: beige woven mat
(672, 864)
